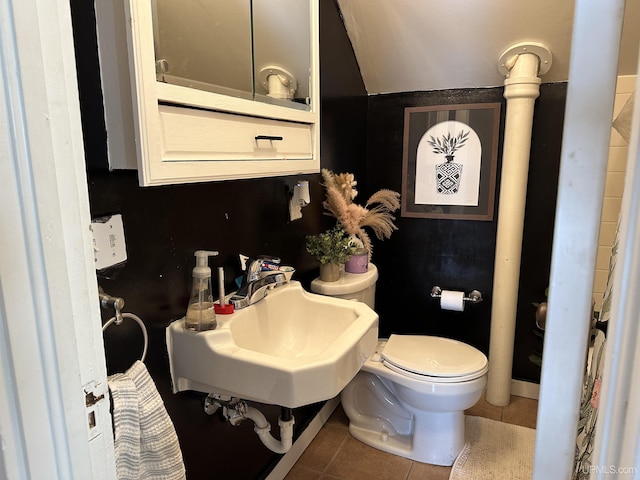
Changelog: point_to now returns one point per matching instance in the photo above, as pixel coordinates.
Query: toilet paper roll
(451, 300)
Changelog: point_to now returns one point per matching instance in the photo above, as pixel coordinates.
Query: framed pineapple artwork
(449, 161)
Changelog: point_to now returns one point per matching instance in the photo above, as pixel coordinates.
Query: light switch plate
(109, 246)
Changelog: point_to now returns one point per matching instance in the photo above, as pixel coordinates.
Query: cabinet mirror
(256, 49)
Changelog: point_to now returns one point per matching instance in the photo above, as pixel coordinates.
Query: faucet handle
(267, 258)
(255, 266)
(246, 262)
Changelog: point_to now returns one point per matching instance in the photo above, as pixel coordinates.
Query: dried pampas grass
(376, 214)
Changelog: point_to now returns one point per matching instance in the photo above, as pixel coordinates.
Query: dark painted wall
(165, 225)
(459, 254)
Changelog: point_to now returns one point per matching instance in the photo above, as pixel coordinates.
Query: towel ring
(139, 322)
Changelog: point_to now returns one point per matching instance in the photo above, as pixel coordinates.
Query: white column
(522, 87)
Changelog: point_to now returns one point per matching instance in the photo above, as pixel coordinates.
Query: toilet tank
(352, 286)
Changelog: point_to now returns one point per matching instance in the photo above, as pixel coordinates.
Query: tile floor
(336, 455)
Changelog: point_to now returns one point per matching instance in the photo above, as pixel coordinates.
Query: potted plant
(331, 248)
(448, 175)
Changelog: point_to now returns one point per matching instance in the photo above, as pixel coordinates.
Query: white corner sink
(292, 348)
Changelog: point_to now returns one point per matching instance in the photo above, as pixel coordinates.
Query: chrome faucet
(255, 265)
(256, 290)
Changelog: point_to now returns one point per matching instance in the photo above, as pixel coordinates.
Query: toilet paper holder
(473, 297)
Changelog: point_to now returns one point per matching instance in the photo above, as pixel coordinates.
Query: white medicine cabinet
(219, 89)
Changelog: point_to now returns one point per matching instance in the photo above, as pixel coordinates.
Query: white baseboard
(302, 442)
(525, 389)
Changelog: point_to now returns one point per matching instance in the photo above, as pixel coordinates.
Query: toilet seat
(433, 359)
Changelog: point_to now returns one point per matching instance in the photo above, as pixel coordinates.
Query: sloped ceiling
(423, 45)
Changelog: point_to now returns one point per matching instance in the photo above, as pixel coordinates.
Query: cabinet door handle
(268, 137)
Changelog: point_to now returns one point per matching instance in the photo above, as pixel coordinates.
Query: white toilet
(409, 397)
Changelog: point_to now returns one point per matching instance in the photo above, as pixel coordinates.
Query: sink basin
(292, 348)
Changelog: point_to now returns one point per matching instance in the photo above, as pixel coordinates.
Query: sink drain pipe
(235, 411)
(262, 427)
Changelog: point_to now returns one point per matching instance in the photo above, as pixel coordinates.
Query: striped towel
(146, 444)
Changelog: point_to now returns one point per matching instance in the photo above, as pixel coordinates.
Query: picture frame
(449, 162)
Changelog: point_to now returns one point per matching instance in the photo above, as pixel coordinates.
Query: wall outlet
(109, 247)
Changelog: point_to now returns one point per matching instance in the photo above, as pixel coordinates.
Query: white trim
(51, 342)
(587, 126)
(524, 389)
(618, 428)
(116, 85)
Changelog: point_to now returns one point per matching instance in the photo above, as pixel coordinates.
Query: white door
(51, 350)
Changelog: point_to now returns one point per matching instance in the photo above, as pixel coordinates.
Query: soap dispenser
(200, 312)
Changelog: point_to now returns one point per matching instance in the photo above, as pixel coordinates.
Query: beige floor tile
(357, 461)
(521, 411)
(323, 448)
(338, 418)
(299, 472)
(422, 471)
(485, 409)
(335, 455)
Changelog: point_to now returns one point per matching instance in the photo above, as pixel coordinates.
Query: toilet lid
(443, 359)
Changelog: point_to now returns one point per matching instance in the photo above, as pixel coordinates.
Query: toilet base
(437, 438)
